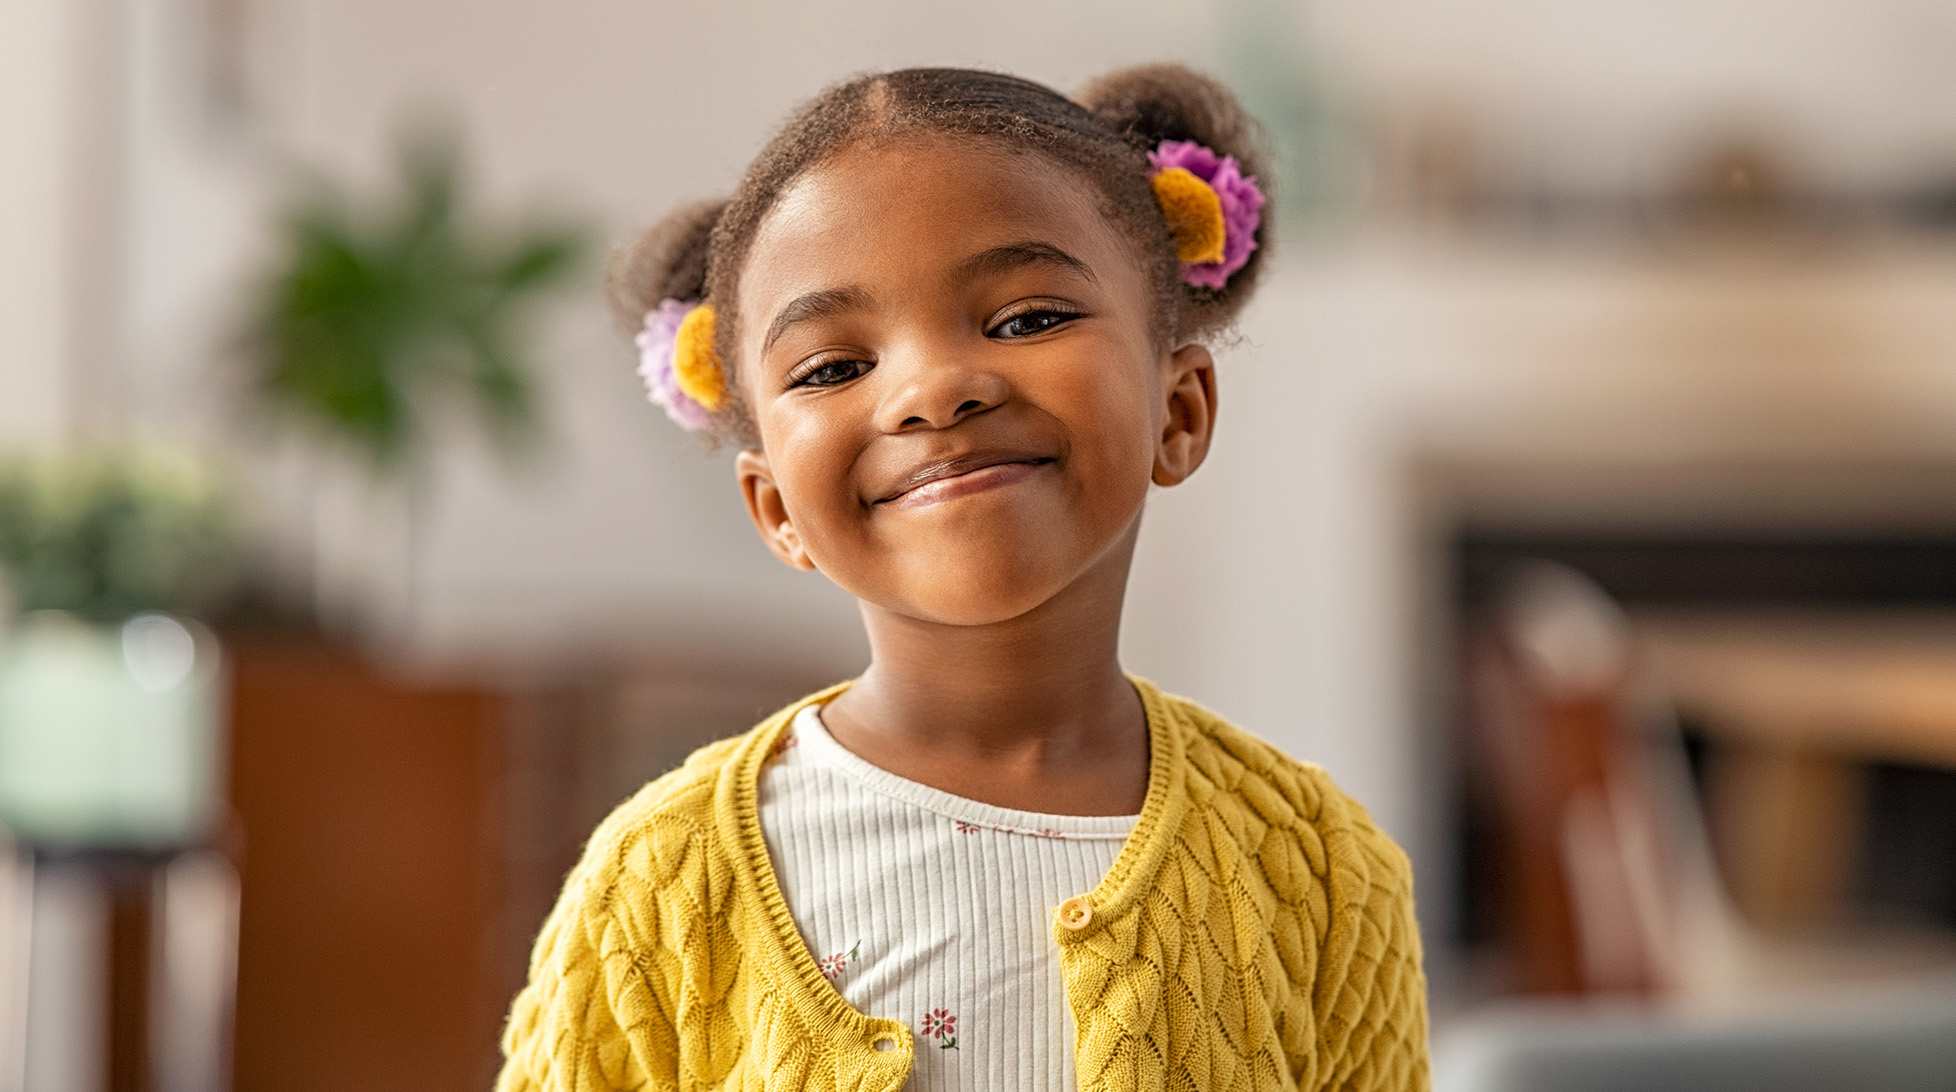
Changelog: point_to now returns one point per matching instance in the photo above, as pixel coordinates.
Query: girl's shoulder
(1257, 789)
(682, 816)
(659, 827)
(683, 795)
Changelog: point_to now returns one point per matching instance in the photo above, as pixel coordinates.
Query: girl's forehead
(917, 202)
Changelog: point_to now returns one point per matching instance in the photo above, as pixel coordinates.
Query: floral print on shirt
(942, 1025)
(833, 965)
(963, 827)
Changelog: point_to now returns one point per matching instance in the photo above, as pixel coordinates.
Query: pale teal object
(110, 735)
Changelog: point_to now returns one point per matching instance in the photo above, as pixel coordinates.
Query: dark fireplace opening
(1893, 814)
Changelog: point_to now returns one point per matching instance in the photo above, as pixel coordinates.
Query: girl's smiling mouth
(936, 482)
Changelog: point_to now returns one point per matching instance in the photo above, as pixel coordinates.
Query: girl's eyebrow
(1011, 256)
(814, 305)
(986, 263)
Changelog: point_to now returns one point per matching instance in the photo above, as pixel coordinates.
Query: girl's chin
(976, 607)
(981, 581)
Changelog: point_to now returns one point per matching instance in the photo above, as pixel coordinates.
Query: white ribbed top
(933, 909)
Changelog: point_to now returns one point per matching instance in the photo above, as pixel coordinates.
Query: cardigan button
(1075, 913)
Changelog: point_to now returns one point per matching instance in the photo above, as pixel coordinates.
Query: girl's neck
(1031, 713)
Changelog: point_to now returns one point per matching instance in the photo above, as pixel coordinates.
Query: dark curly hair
(1103, 136)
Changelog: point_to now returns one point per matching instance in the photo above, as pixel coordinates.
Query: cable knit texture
(1256, 932)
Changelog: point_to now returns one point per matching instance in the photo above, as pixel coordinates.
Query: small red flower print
(1048, 832)
(833, 965)
(942, 1025)
(963, 827)
(783, 745)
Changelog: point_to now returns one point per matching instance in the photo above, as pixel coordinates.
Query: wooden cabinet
(369, 864)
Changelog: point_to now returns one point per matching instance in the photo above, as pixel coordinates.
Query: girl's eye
(1027, 323)
(829, 373)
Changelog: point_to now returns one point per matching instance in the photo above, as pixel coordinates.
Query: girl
(955, 324)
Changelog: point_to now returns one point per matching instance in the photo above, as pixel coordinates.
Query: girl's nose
(937, 390)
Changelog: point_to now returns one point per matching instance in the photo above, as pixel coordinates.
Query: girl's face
(951, 362)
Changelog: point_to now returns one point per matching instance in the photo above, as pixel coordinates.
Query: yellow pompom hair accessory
(1194, 214)
(695, 363)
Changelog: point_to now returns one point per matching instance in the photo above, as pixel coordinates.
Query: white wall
(1607, 92)
(42, 48)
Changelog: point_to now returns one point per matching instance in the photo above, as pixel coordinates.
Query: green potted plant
(376, 317)
(383, 321)
(110, 692)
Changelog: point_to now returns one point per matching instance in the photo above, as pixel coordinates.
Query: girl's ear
(1190, 419)
(770, 516)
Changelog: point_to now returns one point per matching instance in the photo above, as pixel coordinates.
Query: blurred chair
(1593, 866)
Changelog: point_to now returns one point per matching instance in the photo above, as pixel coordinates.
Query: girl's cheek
(1130, 401)
(816, 458)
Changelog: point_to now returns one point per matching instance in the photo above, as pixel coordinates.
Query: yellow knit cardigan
(1256, 932)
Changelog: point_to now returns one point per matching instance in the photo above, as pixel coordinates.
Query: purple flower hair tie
(655, 364)
(1237, 193)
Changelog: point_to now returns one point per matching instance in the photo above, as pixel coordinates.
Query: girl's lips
(951, 486)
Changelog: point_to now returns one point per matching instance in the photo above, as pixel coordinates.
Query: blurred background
(1585, 502)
